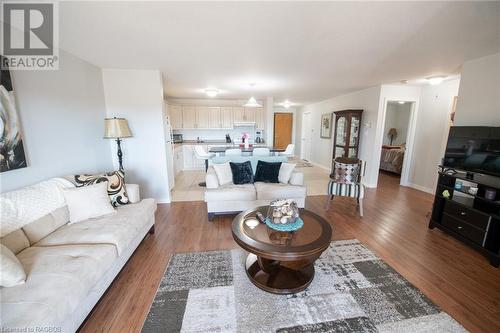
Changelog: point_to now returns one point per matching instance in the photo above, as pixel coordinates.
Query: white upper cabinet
(213, 117)
(202, 117)
(175, 116)
(188, 116)
(250, 114)
(226, 117)
(260, 119)
(214, 120)
(238, 114)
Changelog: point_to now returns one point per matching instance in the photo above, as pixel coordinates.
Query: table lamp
(117, 128)
(392, 133)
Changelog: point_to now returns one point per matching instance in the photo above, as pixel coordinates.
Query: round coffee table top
(313, 238)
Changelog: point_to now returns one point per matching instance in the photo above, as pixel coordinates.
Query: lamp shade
(392, 132)
(116, 128)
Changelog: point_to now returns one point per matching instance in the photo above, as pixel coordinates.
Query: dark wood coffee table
(282, 262)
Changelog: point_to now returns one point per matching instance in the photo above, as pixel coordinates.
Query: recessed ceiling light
(435, 80)
(211, 92)
(286, 104)
(401, 102)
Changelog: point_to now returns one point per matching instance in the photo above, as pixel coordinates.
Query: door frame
(292, 112)
(303, 137)
(410, 138)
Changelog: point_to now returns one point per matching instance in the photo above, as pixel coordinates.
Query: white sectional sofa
(68, 266)
(230, 198)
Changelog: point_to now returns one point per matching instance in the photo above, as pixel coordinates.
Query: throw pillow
(116, 185)
(242, 172)
(346, 173)
(12, 270)
(285, 173)
(267, 172)
(88, 202)
(223, 172)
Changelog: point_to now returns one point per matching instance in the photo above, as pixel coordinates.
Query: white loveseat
(230, 198)
(68, 266)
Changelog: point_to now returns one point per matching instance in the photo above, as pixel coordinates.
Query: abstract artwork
(326, 126)
(12, 154)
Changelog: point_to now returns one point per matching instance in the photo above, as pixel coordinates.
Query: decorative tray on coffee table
(283, 215)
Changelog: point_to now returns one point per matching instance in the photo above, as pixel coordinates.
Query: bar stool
(201, 154)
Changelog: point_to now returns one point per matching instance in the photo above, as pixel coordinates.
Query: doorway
(397, 140)
(305, 151)
(283, 128)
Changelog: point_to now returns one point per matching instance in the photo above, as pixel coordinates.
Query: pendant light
(252, 103)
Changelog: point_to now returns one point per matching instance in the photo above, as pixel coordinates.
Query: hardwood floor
(452, 275)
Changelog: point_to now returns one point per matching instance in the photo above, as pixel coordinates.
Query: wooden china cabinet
(346, 135)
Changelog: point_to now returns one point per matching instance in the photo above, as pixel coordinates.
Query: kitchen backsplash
(236, 133)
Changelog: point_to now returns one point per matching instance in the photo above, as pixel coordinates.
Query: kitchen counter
(214, 142)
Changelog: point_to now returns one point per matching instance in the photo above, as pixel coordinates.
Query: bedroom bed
(391, 158)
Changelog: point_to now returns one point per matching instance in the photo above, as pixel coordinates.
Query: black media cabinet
(473, 219)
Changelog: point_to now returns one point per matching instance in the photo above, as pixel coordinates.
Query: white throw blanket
(21, 207)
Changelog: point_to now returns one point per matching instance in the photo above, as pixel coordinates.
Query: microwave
(177, 138)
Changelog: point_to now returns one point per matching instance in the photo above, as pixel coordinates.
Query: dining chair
(289, 151)
(233, 152)
(261, 152)
(347, 180)
(201, 154)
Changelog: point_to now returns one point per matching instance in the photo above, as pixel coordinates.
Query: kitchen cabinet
(260, 119)
(175, 112)
(190, 162)
(249, 114)
(214, 117)
(202, 117)
(238, 114)
(188, 116)
(178, 160)
(226, 117)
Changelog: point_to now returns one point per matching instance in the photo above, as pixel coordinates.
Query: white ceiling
(304, 52)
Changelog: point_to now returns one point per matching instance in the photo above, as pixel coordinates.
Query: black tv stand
(471, 218)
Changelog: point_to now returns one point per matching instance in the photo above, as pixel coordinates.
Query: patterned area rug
(353, 291)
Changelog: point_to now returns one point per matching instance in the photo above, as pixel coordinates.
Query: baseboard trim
(163, 200)
(421, 188)
(319, 166)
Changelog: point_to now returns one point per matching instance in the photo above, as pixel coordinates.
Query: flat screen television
(474, 149)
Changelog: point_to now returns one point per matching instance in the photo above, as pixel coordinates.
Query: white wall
(137, 96)
(321, 149)
(398, 116)
(431, 133)
(479, 95)
(62, 117)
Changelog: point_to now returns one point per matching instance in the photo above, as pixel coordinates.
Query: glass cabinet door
(354, 131)
(347, 133)
(341, 132)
